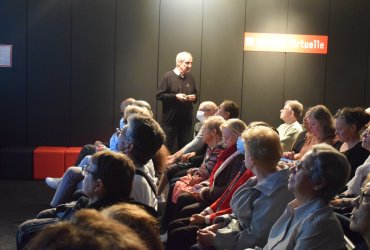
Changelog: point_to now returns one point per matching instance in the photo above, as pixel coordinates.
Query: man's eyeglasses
(86, 171)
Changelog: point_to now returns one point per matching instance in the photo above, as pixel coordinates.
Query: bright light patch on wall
(286, 43)
(5, 55)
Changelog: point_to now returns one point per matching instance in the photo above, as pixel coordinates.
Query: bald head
(209, 108)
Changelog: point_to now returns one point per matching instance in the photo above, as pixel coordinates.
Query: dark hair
(116, 171)
(326, 120)
(147, 138)
(231, 107)
(356, 116)
(328, 167)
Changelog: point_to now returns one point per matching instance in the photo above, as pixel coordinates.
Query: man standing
(178, 92)
(289, 131)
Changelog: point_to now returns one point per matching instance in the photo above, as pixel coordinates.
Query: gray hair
(182, 56)
(329, 168)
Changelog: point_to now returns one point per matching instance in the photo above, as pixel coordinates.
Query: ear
(353, 127)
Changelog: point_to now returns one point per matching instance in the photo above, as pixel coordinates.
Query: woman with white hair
(308, 221)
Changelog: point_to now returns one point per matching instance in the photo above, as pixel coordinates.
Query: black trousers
(181, 235)
(180, 134)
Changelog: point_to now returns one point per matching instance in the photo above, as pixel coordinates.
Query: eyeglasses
(366, 133)
(86, 171)
(360, 198)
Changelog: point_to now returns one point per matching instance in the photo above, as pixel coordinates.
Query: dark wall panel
(263, 77)
(222, 50)
(93, 48)
(305, 73)
(347, 58)
(180, 29)
(136, 52)
(13, 31)
(48, 95)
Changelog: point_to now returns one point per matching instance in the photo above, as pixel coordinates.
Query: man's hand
(181, 97)
(190, 98)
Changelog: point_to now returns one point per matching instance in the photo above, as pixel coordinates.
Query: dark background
(74, 61)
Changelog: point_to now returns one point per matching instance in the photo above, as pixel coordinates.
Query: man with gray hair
(178, 92)
(290, 129)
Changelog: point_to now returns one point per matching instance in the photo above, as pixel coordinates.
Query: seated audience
(309, 222)
(71, 180)
(87, 229)
(360, 219)
(290, 129)
(227, 166)
(258, 203)
(349, 123)
(343, 203)
(140, 139)
(107, 180)
(89, 149)
(133, 216)
(206, 109)
(184, 230)
(228, 109)
(212, 136)
(321, 127)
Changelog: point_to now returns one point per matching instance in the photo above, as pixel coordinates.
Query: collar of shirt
(273, 182)
(177, 72)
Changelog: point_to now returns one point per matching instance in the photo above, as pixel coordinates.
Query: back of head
(116, 172)
(209, 105)
(296, 107)
(325, 118)
(125, 103)
(145, 225)
(356, 116)
(231, 107)
(88, 229)
(147, 138)
(144, 104)
(328, 167)
(236, 126)
(263, 144)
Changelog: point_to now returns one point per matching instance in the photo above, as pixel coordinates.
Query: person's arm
(163, 91)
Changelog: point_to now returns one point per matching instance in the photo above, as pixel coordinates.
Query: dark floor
(20, 200)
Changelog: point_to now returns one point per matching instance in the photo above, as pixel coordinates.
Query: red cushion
(71, 156)
(48, 162)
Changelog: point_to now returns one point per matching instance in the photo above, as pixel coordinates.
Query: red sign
(286, 43)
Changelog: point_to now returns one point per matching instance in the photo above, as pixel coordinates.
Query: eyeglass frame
(86, 171)
(358, 201)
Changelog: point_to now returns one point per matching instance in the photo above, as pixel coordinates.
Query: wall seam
(326, 57)
(243, 57)
(159, 38)
(114, 62)
(26, 77)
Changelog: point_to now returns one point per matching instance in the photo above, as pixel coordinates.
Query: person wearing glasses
(290, 129)
(308, 221)
(107, 181)
(360, 219)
